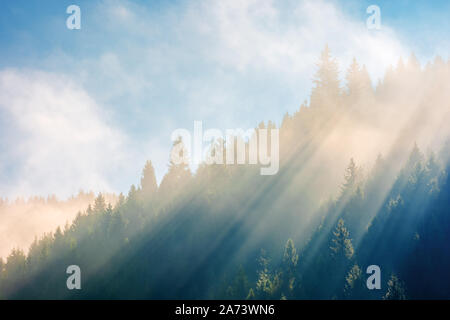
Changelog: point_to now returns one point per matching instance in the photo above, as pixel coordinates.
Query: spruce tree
(342, 247)
(395, 290)
(148, 181)
(326, 92)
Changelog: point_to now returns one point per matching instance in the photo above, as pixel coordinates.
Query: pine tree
(15, 267)
(415, 157)
(178, 174)
(353, 80)
(396, 289)
(342, 247)
(359, 89)
(354, 284)
(100, 204)
(148, 181)
(342, 253)
(290, 257)
(366, 85)
(326, 92)
(350, 178)
(432, 166)
(290, 260)
(265, 282)
(132, 194)
(240, 287)
(120, 201)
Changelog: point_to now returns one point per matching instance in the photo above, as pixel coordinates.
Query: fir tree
(395, 290)
(148, 181)
(341, 243)
(326, 92)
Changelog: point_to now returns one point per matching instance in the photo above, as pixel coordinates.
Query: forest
(363, 180)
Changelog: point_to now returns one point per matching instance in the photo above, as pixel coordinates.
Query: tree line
(308, 232)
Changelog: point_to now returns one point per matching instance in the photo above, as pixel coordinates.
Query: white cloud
(228, 63)
(262, 35)
(59, 139)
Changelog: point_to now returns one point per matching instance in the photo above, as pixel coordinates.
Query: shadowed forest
(363, 180)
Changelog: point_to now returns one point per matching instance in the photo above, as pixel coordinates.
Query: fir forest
(308, 232)
(187, 154)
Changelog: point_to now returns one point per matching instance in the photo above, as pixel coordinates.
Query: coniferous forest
(363, 180)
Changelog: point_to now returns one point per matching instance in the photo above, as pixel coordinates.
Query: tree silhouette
(342, 247)
(148, 182)
(198, 235)
(326, 92)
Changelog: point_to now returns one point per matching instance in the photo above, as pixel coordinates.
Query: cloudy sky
(84, 109)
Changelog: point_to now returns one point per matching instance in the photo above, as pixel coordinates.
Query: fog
(21, 221)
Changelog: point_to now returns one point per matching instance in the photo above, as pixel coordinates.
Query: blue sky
(84, 109)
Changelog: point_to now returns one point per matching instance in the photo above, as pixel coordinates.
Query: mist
(24, 220)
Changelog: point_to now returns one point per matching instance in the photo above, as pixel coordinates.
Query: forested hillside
(23, 220)
(363, 180)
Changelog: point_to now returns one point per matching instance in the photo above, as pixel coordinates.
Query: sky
(84, 109)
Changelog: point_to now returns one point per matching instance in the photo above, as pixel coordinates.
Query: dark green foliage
(395, 290)
(199, 236)
(240, 286)
(341, 247)
(355, 286)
